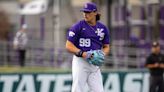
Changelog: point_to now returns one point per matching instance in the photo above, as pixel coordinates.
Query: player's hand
(84, 54)
(88, 55)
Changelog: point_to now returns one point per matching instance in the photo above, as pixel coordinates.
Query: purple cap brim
(87, 10)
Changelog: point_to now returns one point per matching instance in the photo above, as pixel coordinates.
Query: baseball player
(88, 40)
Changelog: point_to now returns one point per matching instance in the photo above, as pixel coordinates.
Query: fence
(37, 55)
(121, 55)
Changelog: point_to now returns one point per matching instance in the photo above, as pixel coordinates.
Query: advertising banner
(61, 82)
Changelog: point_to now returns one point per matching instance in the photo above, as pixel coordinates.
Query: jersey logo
(100, 33)
(71, 34)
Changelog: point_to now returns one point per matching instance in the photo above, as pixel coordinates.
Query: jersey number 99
(85, 42)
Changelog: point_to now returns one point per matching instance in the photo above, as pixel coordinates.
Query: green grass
(16, 69)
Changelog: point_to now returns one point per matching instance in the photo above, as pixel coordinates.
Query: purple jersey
(86, 37)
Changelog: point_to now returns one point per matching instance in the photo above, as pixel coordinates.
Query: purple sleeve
(73, 33)
(106, 39)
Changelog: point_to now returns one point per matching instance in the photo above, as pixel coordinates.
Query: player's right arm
(73, 49)
(72, 39)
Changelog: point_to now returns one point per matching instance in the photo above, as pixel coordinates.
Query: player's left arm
(106, 49)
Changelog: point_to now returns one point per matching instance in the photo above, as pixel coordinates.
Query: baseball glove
(95, 57)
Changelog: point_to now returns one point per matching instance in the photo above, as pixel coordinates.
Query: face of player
(89, 16)
(156, 50)
(23, 30)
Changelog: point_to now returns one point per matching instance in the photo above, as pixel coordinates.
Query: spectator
(20, 42)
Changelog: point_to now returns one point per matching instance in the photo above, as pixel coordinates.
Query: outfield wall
(114, 81)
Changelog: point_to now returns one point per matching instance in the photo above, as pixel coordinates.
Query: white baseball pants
(84, 73)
